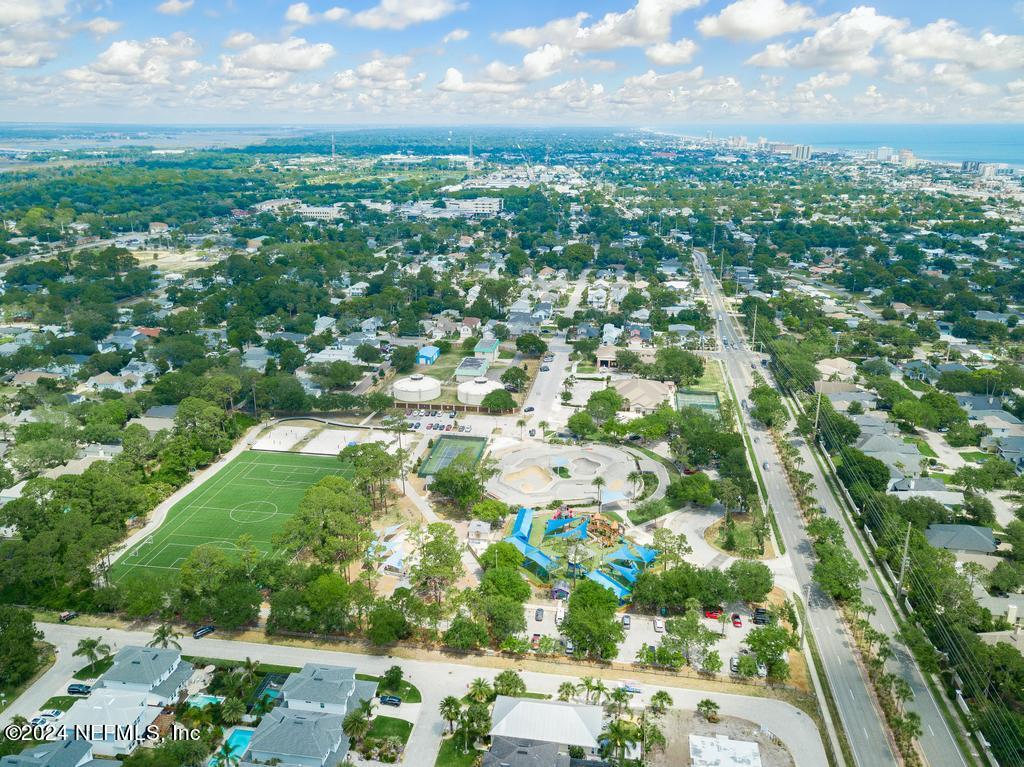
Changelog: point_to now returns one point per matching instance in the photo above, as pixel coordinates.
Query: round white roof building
(473, 392)
(416, 388)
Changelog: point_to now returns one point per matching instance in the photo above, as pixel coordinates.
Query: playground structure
(570, 544)
(538, 474)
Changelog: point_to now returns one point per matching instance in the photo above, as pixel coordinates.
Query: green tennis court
(447, 448)
(254, 494)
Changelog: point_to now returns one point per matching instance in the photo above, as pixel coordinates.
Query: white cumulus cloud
(300, 13)
(946, 40)
(672, 54)
(174, 7)
(757, 20)
(399, 14)
(454, 82)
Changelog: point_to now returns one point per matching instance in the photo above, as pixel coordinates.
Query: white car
(659, 625)
(52, 713)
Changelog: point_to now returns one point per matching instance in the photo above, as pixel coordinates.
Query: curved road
(435, 680)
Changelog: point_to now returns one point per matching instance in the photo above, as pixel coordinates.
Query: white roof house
(723, 751)
(112, 720)
(567, 724)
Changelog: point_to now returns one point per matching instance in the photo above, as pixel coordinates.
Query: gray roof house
(963, 538)
(918, 370)
(513, 752)
(331, 689)
(57, 753)
(547, 721)
(1012, 449)
(157, 672)
(902, 458)
(290, 738)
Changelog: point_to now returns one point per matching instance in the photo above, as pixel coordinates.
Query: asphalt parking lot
(641, 631)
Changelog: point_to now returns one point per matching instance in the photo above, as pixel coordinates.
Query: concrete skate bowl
(535, 475)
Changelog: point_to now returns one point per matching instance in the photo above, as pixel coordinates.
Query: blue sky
(606, 62)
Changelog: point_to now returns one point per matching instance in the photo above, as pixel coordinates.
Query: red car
(713, 612)
(535, 641)
(736, 620)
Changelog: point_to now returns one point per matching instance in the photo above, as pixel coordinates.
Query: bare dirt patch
(679, 725)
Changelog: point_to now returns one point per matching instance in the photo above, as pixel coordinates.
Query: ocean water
(987, 142)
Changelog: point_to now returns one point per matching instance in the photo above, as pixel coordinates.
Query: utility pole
(753, 333)
(903, 562)
(817, 412)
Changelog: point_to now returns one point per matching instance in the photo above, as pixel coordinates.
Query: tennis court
(254, 495)
(449, 447)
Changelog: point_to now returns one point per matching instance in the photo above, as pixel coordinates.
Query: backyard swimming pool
(202, 701)
(238, 740)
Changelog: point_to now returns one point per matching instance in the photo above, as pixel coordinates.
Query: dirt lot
(174, 260)
(679, 725)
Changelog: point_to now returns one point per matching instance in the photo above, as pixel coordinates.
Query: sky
(544, 62)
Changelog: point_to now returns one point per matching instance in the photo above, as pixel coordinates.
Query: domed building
(416, 388)
(473, 392)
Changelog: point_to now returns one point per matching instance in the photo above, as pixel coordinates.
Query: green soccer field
(254, 495)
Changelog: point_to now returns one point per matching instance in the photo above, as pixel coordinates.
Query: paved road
(937, 742)
(861, 720)
(434, 679)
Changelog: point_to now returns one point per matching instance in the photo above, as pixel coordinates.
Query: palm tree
(566, 690)
(600, 689)
(708, 709)
(451, 709)
(660, 702)
(92, 649)
(521, 423)
(367, 706)
(599, 482)
(480, 690)
(232, 710)
(618, 701)
(543, 427)
(225, 756)
(356, 725)
(165, 636)
(248, 669)
(586, 686)
(651, 736)
(901, 691)
(636, 477)
(618, 736)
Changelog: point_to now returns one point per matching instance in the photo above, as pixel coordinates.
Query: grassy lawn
(922, 445)
(63, 702)
(586, 367)
(409, 693)
(93, 670)
(254, 494)
(536, 695)
(744, 539)
(389, 727)
(712, 380)
(975, 455)
(451, 755)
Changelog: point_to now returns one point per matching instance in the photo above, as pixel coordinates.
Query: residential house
(836, 369)
(328, 689)
(919, 370)
(547, 721)
(932, 488)
(902, 458)
(114, 720)
(469, 326)
(289, 737)
(105, 381)
(515, 752)
(158, 673)
(966, 539)
(1012, 449)
(256, 358)
(57, 753)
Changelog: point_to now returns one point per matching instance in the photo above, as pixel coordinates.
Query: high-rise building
(801, 152)
(885, 154)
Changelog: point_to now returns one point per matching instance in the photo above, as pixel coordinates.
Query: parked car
(736, 620)
(448, 427)
(390, 700)
(535, 641)
(533, 432)
(528, 409)
(68, 615)
(764, 465)
(762, 670)
(761, 616)
(626, 621)
(570, 648)
(539, 614)
(202, 631)
(631, 687)
(734, 664)
(79, 689)
(51, 713)
(544, 368)
(38, 721)
(659, 625)
(713, 612)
